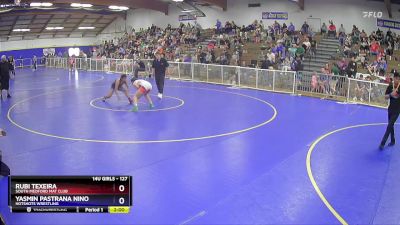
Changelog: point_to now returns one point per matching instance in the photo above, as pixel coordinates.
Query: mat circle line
(275, 113)
(182, 102)
(311, 176)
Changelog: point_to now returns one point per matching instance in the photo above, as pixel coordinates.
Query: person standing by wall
(11, 62)
(34, 61)
(5, 76)
(159, 67)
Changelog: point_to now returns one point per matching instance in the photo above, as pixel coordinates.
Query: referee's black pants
(160, 78)
(392, 117)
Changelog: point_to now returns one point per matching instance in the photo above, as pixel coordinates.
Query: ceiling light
(21, 30)
(86, 28)
(177, 0)
(54, 28)
(35, 4)
(39, 4)
(80, 5)
(115, 7)
(47, 4)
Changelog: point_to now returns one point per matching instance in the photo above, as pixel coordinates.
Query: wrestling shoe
(135, 108)
(151, 106)
(391, 144)
(159, 96)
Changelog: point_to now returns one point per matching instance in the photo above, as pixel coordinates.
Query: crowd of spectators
(362, 56)
(282, 46)
(369, 53)
(144, 43)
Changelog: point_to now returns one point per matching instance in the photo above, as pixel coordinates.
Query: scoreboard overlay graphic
(70, 194)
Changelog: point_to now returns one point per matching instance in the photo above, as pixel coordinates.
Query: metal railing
(305, 83)
(28, 62)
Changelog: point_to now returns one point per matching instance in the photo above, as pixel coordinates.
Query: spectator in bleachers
(352, 68)
(335, 69)
(374, 48)
(347, 49)
(341, 29)
(313, 47)
(292, 51)
(266, 63)
(297, 65)
(324, 29)
(300, 52)
(383, 65)
(342, 65)
(284, 28)
(291, 29)
(389, 50)
(332, 30)
(342, 39)
(363, 34)
(285, 66)
(305, 28)
(361, 90)
(373, 68)
(277, 28)
(306, 44)
(364, 48)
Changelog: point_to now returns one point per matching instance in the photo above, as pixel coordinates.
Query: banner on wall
(187, 17)
(275, 15)
(388, 24)
(49, 51)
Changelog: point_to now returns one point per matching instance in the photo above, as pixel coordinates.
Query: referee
(160, 65)
(392, 93)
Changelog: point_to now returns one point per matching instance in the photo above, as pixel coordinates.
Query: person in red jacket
(332, 30)
(374, 49)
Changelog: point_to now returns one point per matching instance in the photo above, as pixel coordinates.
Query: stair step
(328, 50)
(322, 57)
(324, 53)
(331, 41)
(315, 64)
(316, 60)
(312, 69)
(328, 46)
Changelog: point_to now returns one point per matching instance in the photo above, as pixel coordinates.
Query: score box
(69, 191)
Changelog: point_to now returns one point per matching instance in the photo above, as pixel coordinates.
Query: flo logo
(372, 14)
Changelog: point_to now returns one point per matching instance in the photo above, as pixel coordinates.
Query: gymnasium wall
(348, 12)
(28, 48)
(29, 53)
